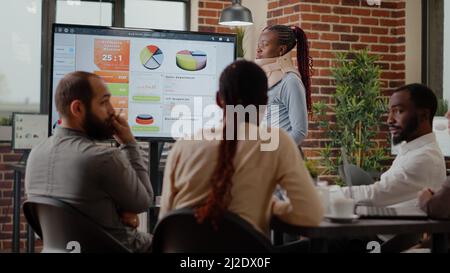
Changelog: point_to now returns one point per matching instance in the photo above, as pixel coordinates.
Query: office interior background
(411, 37)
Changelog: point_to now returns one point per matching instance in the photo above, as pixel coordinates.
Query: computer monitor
(28, 130)
(148, 73)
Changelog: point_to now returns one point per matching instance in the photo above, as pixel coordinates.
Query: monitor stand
(156, 148)
(24, 158)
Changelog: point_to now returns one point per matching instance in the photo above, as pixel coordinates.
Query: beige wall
(413, 41)
(194, 15)
(259, 12)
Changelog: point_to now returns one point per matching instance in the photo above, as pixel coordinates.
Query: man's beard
(97, 129)
(410, 128)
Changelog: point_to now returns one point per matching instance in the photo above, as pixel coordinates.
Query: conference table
(327, 230)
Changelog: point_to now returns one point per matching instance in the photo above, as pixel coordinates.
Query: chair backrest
(357, 175)
(65, 229)
(179, 232)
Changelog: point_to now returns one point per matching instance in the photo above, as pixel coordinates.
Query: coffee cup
(343, 207)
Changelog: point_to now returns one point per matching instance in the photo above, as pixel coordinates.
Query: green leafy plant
(442, 108)
(240, 32)
(312, 167)
(359, 109)
(5, 121)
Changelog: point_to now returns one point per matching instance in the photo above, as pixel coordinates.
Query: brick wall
(343, 25)
(209, 14)
(7, 156)
(333, 26)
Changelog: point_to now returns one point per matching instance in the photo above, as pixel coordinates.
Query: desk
(368, 227)
(19, 169)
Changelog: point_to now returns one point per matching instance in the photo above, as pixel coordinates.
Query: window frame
(44, 13)
(187, 17)
(432, 51)
(49, 18)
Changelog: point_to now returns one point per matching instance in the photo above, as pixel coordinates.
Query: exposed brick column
(7, 156)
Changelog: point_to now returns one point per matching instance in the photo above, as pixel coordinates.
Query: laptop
(372, 212)
(400, 213)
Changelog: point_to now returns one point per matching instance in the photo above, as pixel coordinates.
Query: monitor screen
(29, 129)
(148, 72)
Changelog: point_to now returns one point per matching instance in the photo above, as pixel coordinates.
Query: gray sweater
(98, 180)
(287, 107)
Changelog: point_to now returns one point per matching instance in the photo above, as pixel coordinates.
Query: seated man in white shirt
(419, 163)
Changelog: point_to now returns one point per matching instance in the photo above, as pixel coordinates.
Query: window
(433, 45)
(24, 69)
(157, 14)
(20, 55)
(84, 12)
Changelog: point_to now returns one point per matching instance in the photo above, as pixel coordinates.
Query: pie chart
(151, 57)
(191, 60)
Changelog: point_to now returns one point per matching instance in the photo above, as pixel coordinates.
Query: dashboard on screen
(148, 72)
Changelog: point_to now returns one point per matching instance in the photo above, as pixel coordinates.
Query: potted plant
(5, 128)
(240, 33)
(359, 113)
(312, 167)
(442, 108)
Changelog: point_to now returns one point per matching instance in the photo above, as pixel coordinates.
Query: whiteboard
(28, 130)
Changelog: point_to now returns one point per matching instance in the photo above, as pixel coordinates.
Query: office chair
(358, 176)
(179, 232)
(65, 229)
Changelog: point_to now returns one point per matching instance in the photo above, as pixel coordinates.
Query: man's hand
(130, 219)
(122, 131)
(424, 196)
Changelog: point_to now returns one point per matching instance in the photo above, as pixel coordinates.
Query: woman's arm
(293, 96)
(305, 207)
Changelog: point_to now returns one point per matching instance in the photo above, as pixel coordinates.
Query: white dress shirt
(419, 164)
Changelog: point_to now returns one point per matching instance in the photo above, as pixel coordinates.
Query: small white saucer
(342, 220)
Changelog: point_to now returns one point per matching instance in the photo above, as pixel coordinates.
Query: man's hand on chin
(130, 219)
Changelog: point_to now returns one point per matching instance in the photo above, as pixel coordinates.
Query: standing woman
(289, 88)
